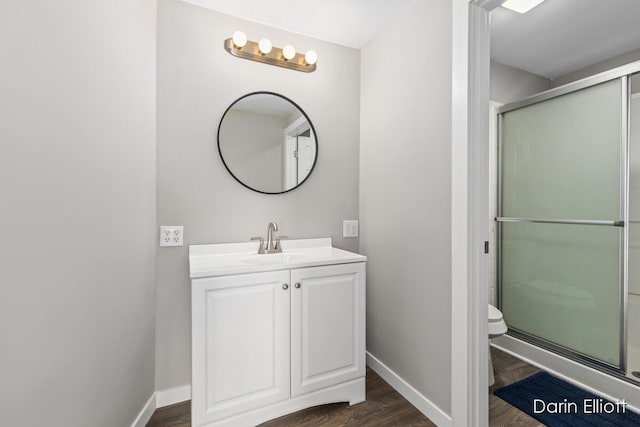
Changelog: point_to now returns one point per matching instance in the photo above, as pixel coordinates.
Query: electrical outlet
(171, 235)
(350, 228)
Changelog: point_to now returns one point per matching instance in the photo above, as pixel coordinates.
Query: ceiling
(351, 23)
(553, 39)
(561, 36)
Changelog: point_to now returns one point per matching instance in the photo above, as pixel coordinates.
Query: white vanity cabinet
(268, 343)
(327, 326)
(240, 344)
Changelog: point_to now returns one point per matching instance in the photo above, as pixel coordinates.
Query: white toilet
(497, 327)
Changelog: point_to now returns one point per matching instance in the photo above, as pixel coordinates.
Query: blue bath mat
(557, 403)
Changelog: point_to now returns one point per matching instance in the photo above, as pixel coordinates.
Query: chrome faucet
(271, 247)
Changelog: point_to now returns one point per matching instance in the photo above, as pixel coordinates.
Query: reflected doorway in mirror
(267, 143)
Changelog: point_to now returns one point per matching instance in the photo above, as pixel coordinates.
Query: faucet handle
(261, 246)
(277, 247)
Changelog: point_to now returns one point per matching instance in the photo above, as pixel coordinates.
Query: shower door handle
(617, 223)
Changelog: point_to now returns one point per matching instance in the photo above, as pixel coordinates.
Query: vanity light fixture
(264, 51)
(521, 6)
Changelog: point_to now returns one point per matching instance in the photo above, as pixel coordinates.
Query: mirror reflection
(267, 142)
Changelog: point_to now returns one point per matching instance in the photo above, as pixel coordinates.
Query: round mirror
(267, 142)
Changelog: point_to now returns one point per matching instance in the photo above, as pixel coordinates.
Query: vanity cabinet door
(327, 326)
(241, 343)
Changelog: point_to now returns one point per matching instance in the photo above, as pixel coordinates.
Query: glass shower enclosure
(562, 220)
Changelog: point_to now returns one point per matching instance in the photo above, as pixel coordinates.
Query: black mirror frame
(315, 161)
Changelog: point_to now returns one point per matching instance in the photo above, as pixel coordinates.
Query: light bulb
(311, 57)
(265, 46)
(288, 52)
(239, 39)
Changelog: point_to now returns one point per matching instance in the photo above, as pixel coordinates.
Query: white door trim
(469, 217)
(493, 200)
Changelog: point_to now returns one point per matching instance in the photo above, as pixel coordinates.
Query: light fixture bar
(251, 51)
(521, 6)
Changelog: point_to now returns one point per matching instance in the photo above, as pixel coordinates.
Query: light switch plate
(350, 228)
(171, 235)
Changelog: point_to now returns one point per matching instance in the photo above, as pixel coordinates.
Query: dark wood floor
(384, 406)
(507, 370)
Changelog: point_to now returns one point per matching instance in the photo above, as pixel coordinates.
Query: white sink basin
(281, 258)
(239, 258)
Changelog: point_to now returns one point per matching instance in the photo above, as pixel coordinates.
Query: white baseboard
(145, 414)
(160, 399)
(173, 395)
(424, 405)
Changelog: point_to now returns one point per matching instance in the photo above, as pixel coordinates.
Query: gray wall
(405, 197)
(77, 178)
(197, 80)
(614, 62)
(511, 84)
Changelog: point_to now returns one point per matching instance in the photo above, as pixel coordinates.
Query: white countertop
(223, 259)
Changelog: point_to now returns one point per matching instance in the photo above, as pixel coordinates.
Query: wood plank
(507, 370)
(384, 406)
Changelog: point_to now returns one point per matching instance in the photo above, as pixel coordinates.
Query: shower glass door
(561, 231)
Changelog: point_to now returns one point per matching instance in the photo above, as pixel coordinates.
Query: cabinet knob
(298, 285)
(285, 286)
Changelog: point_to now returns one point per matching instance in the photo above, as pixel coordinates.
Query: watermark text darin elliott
(588, 406)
